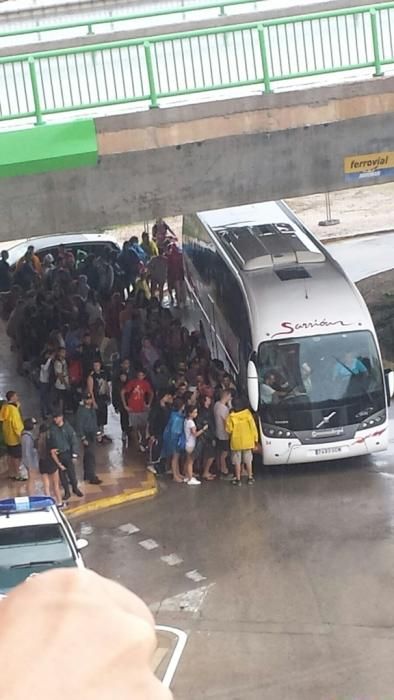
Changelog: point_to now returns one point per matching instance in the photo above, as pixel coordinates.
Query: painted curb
(148, 490)
(346, 236)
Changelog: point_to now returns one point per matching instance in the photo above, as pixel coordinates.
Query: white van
(88, 242)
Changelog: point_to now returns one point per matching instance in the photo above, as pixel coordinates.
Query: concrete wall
(205, 156)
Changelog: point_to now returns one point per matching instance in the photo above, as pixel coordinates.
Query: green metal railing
(223, 59)
(89, 24)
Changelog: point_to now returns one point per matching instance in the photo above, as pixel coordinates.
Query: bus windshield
(303, 377)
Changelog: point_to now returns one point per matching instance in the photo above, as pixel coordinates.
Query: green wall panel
(48, 147)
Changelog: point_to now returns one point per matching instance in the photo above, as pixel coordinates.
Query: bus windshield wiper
(32, 563)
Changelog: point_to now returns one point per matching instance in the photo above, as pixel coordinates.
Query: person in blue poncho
(174, 439)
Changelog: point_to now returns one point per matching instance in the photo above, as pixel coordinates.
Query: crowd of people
(92, 331)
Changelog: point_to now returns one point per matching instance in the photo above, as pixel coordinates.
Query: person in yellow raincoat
(12, 423)
(241, 427)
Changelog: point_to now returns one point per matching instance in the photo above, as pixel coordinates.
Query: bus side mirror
(253, 385)
(389, 381)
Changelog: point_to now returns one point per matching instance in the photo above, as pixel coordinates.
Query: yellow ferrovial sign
(369, 165)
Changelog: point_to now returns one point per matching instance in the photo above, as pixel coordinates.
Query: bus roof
(263, 235)
(292, 284)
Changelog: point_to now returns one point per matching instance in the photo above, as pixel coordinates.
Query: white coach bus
(284, 317)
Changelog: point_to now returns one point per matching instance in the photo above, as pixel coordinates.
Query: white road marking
(176, 654)
(189, 601)
(387, 475)
(195, 576)
(129, 528)
(172, 559)
(85, 529)
(148, 544)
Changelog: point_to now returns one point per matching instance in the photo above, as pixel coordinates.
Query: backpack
(181, 443)
(51, 373)
(175, 430)
(75, 372)
(139, 253)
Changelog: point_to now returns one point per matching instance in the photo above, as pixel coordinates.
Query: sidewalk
(124, 477)
(123, 472)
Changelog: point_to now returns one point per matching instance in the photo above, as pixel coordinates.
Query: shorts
(189, 449)
(222, 445)
(239, 457)
(15, 451)
(47, 466)
(205, 449)
(138, 420)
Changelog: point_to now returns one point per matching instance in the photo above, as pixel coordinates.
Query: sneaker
(193, 482)
(150, 468)
(226, 477)
(251, 480)
(236, 482)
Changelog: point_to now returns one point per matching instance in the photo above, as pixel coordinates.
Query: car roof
(68, 239)
(31, 518)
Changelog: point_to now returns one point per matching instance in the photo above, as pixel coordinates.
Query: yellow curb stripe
(149, 489)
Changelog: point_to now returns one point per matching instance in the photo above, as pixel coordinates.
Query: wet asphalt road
(286, 588)
(296, 593)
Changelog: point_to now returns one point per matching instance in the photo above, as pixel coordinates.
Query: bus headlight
(376, 419)
(274, 431)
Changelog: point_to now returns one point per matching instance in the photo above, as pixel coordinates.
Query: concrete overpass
(213, 154)
(87, 11)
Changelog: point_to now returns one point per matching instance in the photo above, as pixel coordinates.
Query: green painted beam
(48, 147)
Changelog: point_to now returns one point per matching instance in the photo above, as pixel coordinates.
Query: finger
(109, 630)
(86, 582)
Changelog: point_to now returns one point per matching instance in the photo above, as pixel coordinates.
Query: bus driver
(269, 394)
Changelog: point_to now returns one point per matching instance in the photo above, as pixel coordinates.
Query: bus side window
(232, 305)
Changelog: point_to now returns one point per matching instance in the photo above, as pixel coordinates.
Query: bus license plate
(328, 451)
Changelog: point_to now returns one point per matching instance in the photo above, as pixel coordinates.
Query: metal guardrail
(156, 13)
(153, 69)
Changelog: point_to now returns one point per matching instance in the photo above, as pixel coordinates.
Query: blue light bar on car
(25, 504)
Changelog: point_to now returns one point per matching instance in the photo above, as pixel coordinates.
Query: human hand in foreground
(69, 633)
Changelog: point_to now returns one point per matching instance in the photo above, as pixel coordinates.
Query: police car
(34, 537)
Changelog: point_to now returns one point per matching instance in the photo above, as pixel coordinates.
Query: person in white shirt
(62, 382)
(45, 386)
(191, 435)
(220, 412)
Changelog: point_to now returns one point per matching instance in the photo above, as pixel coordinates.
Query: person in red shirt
(137, 396)
(176, 274)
